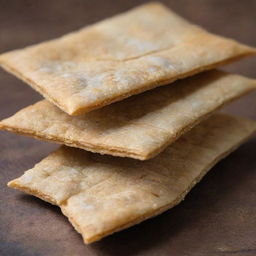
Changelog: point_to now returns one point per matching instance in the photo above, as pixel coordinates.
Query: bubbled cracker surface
(138, 127)
(103, 194)
(138, 50)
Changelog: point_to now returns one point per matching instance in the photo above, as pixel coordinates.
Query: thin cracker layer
(143, 48)
(139, 127)
(103, 194)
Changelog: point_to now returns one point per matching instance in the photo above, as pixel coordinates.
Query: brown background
(217, 218)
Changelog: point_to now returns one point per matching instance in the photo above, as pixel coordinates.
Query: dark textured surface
(217, 217)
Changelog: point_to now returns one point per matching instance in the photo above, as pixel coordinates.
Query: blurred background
(218, 216)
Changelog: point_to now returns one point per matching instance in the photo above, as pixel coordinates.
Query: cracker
(143, 48)
(139, 127)
(104, 194)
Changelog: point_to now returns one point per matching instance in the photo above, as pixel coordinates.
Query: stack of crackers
(127, 161)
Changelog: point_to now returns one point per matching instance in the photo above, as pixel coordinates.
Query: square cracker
(103, 194)
(139, 127)
(143, 48)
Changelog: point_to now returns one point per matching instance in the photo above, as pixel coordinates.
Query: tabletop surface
(218, 215)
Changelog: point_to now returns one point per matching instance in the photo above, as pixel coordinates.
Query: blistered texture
(118, 57)
(104, 194)
(139, 127)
